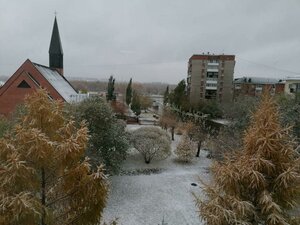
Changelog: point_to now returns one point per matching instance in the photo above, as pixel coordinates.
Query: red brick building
(32, 76)
(255, 86)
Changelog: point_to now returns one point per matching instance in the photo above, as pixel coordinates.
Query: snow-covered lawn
(147, 199)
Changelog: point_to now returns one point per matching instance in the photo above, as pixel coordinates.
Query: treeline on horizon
(120, 87)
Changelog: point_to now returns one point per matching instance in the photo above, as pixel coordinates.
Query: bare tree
(198, 133)
(169, 120)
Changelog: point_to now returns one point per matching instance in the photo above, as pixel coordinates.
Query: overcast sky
(152, 40)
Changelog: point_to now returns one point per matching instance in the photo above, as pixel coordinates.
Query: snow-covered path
(147, 199)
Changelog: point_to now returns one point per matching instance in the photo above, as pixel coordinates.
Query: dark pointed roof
(55, 44)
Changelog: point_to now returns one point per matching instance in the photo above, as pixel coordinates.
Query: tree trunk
(147, 159)
(43, 197)
(172, 132)
(198, 151)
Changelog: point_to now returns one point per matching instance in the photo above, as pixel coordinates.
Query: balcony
(211, 86)
(213, 64)
(210, 80)
(211, 69)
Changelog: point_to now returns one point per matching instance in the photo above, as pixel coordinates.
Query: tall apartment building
(210, 77)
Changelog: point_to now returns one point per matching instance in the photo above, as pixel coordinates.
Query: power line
(268, 66)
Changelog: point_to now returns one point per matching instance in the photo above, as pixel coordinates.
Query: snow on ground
(147, 199)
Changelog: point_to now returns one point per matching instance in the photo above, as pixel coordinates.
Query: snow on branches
(259, 184)
(152, 143)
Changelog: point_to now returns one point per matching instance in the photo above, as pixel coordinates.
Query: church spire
(55, 50)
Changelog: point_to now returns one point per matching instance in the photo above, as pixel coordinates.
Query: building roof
(61, 85)
(212, 57)
(294, 78)
(256, 80)
(55, 43)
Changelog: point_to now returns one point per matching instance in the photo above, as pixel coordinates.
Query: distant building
(292, 85)
(32, 76)
(210, 77)
(255, 86)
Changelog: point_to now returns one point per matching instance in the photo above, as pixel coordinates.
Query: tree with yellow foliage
(168, 120)
(259, 184)
(185, 149)
(44, 178)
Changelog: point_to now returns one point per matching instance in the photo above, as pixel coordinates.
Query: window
(24, 84)
(210, 94)
(237, 86)
(212, 74)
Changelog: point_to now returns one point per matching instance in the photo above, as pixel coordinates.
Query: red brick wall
(14, 96)
(279, 88)
(11, 95)
(213, 57)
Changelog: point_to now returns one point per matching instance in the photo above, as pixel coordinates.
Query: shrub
(152, 143)
(5, 126)
(185, 150)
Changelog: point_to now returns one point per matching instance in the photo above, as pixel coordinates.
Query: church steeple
(55, 50)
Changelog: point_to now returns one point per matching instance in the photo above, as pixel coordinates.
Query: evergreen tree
(44, 177)
(166, 95)
(136, 104)
(129, 92)
(178, 97)
(261, 183)
(110, 96)
(108, 142)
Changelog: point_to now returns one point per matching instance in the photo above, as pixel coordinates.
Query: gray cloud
(151, 40)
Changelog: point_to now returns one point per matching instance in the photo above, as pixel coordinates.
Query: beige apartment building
(292, 86)
(210, 77)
